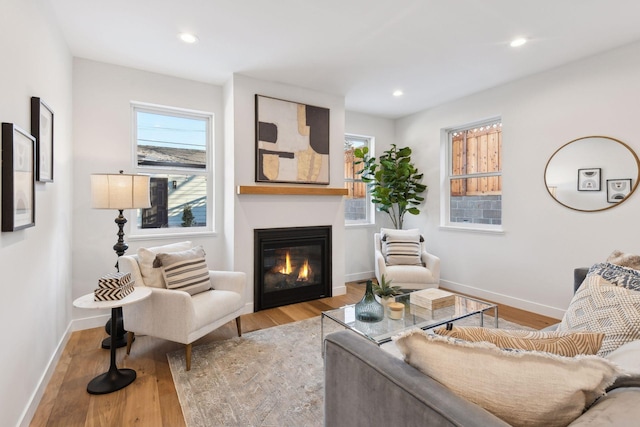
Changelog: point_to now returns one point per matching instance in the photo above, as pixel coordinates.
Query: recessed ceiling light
(518, 42)
(188, 38)
(397, 93)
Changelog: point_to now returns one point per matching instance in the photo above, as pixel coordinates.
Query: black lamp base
(120, 336)
(111, 381)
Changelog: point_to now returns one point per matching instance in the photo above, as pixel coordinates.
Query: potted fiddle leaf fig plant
(394, 182)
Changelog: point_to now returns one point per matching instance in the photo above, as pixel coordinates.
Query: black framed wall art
(618, 189)
(292, 142)
(18, 178)
(589, 179)
(42, 130)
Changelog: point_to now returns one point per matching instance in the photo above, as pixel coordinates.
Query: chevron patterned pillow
(570, 343)
(600, 306)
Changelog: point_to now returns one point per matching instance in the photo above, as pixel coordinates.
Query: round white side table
(115, 379)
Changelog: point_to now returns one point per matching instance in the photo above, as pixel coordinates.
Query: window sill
(181, 234)
(360, 225)
(470, 229)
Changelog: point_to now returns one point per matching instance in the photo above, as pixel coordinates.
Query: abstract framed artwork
(618, 189)
(292, 142)
(589, 179)
(42, 131)
(18, 178)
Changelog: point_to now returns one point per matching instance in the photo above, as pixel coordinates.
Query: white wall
(102, 132)
(359, 263)
(531, 264)
(268, 211)
(35, 262)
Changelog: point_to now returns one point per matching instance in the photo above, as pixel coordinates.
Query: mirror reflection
(592, 173)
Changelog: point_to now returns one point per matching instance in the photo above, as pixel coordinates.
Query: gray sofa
(367, 386)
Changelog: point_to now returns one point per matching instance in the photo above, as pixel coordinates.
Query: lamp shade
(120, 191)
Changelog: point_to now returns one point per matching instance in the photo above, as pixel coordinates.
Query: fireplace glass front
(292, 265)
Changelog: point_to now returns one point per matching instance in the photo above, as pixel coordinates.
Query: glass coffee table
(414, 317)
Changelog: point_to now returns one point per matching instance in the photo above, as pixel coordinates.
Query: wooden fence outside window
(357, 189)
(473, 152)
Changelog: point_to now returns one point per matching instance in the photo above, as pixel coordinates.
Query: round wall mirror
(592, 173)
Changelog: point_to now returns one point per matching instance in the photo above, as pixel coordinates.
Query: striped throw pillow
(568, 344)
(185, 271)
(402, 247)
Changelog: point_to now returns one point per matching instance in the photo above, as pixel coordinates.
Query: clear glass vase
(369, 309)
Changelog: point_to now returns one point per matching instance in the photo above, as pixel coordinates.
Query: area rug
(270, 377)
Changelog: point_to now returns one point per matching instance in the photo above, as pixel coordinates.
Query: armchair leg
(239, 326)
(130, 338)
(187, 355)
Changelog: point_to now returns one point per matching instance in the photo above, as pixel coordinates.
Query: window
(474, 176)
(358, 208)
(174, 146)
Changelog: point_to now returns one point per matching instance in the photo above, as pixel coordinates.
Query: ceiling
(433, 50)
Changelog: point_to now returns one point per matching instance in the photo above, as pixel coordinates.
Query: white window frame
(446, 177)
(208, 172)
(370, 219)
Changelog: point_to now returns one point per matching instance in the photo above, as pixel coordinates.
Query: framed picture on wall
(42, 131)
(589, 179)
(292, 142)
(18, 178)
(618, 189)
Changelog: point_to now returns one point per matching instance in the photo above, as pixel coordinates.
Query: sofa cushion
(599, 305)
(566, 343)
(146, 256)
(627, 356)
(185, 270)
(624, 259)
(401, 247)
(524, 388)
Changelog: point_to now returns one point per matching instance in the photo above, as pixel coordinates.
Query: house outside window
(474, 176)
(358, 208)
(174, 147)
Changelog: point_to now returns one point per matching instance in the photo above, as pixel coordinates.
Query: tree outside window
(358, 207)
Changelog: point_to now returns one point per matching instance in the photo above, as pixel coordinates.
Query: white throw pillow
(524, 388)
(401, 247)
(153, 276)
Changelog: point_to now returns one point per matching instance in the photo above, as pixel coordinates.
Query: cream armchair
(408, 276)
(177, 316)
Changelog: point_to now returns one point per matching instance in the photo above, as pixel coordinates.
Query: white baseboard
(36, 397)
(89, 322)
(545, 310)
(338, 290)
(356, 277)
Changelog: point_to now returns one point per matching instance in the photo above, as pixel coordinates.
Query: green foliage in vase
(384, 288)
(394, 182)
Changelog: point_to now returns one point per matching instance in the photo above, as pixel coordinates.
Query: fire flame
(286, 269)
(303, 275)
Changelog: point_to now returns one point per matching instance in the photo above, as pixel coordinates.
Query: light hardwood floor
(151, 400)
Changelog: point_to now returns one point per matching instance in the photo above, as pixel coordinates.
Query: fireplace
(291, 265)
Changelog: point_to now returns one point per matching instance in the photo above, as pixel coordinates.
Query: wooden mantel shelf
(293, 191)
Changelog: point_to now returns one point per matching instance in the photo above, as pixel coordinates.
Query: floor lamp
(119, 191)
